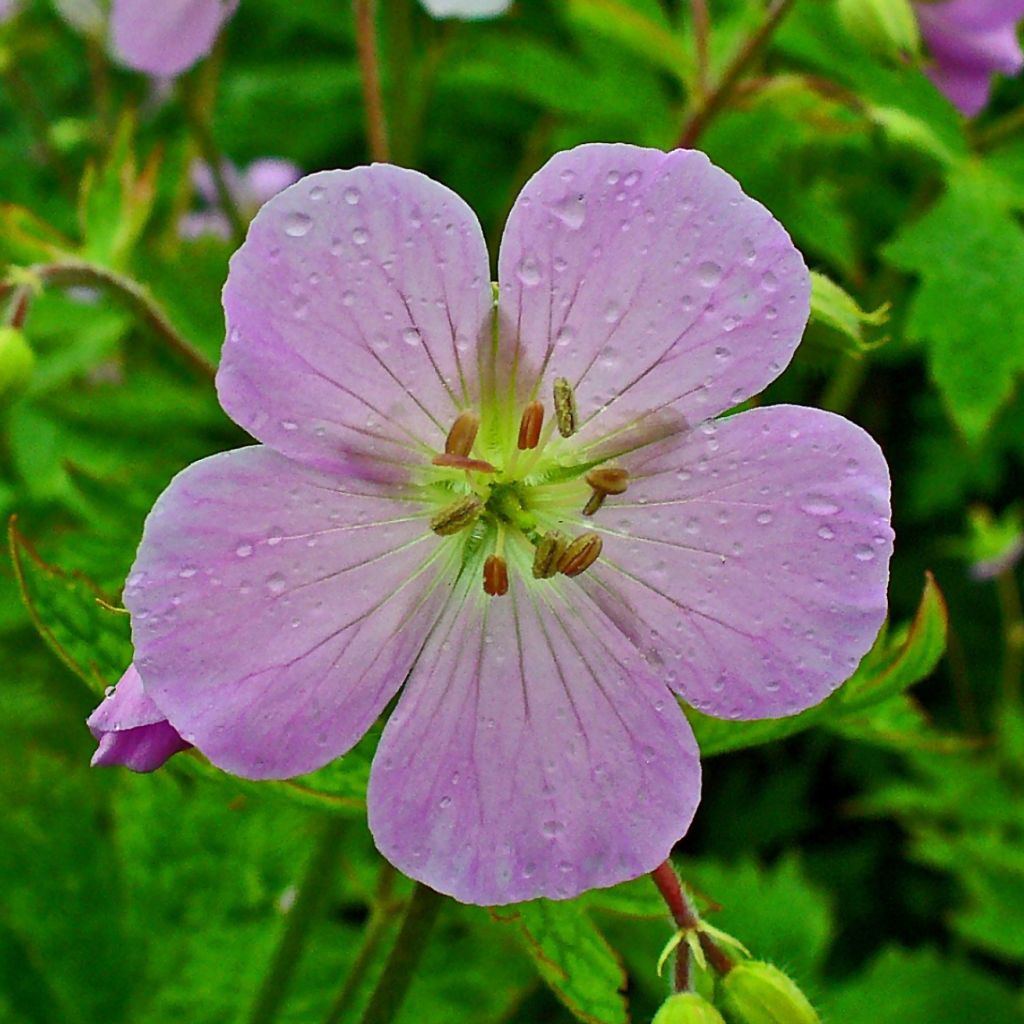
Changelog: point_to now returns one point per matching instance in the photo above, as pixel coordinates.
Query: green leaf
(968, 251)
(573, 957)
(895, 663)
(837, 321)
(72, 616)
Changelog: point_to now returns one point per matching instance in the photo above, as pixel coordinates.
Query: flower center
(516, 494)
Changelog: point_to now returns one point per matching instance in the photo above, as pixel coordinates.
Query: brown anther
(530, 425)
(462, 462)
(608, 480)
(580, 555)
(495, 576)
(565, 407)
(594, 502)
(457, 516)
(548, 553)
(461, 437)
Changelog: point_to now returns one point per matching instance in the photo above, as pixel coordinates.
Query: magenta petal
(354, 311)
(168, 37)
(755, 555)
(650, 281)
(532, 753)
(276, 610)
(131, 729)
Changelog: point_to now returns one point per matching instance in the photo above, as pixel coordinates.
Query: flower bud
(758, 993)
(16, 362)
(687, 1008)
(887, 28)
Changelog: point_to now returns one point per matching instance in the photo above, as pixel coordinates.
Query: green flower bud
(887, 28)
(758, 993)
(16, 362)
(687, 1008)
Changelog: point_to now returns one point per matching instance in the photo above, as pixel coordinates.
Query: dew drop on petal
(275, 583)
(826, 532)
(297, 224)
(351, 196)
(571, 211)
(411, 336)
(188, 572)
(764, 518)
(709, 274)
(816, 505)
(528, 272)
(552, 829)
(360, 236)
(243, 550)
(863, 553)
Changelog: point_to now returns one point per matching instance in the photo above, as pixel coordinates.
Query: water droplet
(360, 236)
(528, 272)
(818, 505)
(348, 298)
(565, 336)
(863, 553)
(731, 323)
(764, 518)
(613, 312)
(769, 282)
(297, 224)
(411, 336)
(552, 829)
(571, 211)
(445, 801)
(243, 550)
(613, 177)
(722, 353)
(709, 274)
(275, 583)
(275, 536)
(188, 572)
(351, 196)
(826, 532)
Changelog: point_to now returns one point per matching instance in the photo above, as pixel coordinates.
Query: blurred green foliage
(873, 847)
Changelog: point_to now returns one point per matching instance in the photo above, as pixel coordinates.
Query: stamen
(495, 576)
(594, 502)
(462, 462)
(463, 434)
(608, 480)
(530, 426)
(580, 555)
(565, 407)
(457, 516)
(548, 554)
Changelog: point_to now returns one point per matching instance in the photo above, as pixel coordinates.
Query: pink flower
(405, 519)
(970, 41)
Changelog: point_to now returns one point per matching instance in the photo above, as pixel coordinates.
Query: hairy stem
(365, 12)
(309, 899)
(393, 983)
(133, 296)
(710, 105)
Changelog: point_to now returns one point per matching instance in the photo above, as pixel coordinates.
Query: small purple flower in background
(468, 9)
(167, 37)
(970, 41)
(524, 514)
(130, 729)
(994, 544)
(9, 8)
(251, 188)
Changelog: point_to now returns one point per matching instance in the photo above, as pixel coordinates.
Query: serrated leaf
(895, 663)
(837, 321)
(26, 238)
(72, 616)
(968, 253)
(573, 957)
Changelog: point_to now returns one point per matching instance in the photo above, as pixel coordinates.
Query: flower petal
(168, 37)
(651, 282)
(276, 610)
(131, 729)
(532, 752)
(751, 560)
(265, 177)
(354, 312)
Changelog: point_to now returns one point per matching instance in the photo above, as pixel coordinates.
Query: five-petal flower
(428, 455)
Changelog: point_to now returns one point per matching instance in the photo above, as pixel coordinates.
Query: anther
(495, 576)
(608, 480)
(548, 554)
(530, 425)
(463, 462)
(462, 435)
(457, 516)
(565, 407)
(580, 555)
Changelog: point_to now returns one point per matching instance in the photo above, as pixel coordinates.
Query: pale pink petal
(276, 610)
(651, 282)
(750, 561)
(354, 312)
(532, 753)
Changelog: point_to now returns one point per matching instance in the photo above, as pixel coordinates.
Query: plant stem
(1013, 635)
(133, 296)
(381, 917)
(710, 105)
(313, 889)
(199, 124)
(844, 384)
(393, 983)
(686, 919)
(365, 12)
(702, 38)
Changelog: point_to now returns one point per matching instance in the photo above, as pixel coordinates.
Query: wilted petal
(532, 752)
(168, 37)
(131, 730)
(275, 610)
(651, 282)
(354, 310)
(970, 41)
(468, 9)
(750, 561)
